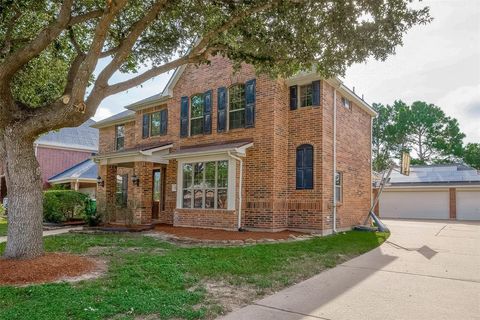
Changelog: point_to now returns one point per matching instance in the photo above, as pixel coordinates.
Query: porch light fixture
(100, 181)
(136, 180)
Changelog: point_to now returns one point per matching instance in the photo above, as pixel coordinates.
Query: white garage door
(468, 205)
(414, 204)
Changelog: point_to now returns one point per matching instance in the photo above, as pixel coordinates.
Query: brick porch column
(106, 193)
(142, 194)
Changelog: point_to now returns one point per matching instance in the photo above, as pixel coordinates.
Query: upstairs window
(196, 118)
(346, 103)
(304, 167)
(236, 94)
(338, 187)
(155, 124)
(119, 137)
(306, 95)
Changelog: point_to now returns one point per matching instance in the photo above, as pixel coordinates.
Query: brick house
(220, 149)
(57, 151)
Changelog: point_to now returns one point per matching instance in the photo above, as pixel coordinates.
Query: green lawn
(3, 227)
(147, 276)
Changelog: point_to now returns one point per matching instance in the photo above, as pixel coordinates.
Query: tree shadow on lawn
(173, 283)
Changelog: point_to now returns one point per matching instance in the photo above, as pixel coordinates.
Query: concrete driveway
(426, 270)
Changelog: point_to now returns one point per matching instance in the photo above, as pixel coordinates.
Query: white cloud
(464, 105)
(102, 113)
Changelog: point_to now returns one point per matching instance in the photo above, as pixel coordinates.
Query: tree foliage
(422, 129)
(471, 155)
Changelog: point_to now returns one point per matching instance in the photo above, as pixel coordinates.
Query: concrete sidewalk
(50, 232)
(426, 270)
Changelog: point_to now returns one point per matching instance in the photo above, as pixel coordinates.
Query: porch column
(106, 193)
(142, 194)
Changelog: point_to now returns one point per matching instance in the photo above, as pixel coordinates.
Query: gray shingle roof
(448, 174)
(81, 137)
(124, 115)
(86, 169)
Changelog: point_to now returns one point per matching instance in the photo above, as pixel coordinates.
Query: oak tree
(51, 48)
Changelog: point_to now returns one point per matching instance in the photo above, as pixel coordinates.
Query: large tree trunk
(25, 197)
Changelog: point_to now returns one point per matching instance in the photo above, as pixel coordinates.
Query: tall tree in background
(422, 129)
(50, 50)
(471, 155)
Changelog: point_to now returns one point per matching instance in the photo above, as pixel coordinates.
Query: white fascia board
(107, 123)
(85, 180)
(240, 151)
(63, 146)
(147, 104)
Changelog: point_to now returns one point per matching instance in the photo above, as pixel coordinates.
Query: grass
(162, 279)
(3, 227)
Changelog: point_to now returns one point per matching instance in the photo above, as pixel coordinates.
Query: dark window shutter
(293, 97)
(163, 121)
(304, 167)
(316, 93)
(146, 126)
(184, 117)
(250, 103)
(222, 109)
(207, 112)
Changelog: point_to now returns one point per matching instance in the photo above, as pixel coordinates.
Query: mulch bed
(47, 268)
(212, 234)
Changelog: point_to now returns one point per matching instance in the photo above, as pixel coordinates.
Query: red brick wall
(270, 198)
(53, 161)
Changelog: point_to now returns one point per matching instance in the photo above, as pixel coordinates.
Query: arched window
(304, 166)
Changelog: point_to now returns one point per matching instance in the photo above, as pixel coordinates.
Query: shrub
(63, 205)
(91, 217)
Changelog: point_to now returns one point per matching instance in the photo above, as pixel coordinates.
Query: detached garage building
(433, 192)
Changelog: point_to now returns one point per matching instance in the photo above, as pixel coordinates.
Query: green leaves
(421, 128)
(471, 155)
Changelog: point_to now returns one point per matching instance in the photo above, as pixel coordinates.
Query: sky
(438, 63)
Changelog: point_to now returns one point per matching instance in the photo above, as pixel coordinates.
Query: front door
(157, 193)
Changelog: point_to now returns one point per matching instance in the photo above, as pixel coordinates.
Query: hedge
(63, 205)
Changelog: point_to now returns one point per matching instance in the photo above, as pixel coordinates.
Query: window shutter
(163, 121)
(304, 167)
(184, 117)
(316, 93)
(207, 112)
(293, 97)
(146, 126)
(222, 109)
(250, 103)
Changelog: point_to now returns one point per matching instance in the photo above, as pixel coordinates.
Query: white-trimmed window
(205, 185)
(346, 103)
(119, 137)
(196, 116)
(306, 95)
(338, 187)
(236, 106)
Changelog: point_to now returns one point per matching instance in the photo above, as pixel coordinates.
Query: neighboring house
(81, 177)
(59, 150)
(219, 149)
(450, 191)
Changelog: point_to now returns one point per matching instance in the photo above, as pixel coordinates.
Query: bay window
(205, 185)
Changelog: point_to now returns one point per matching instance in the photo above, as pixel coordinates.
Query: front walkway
(50, 232)
(425, 270)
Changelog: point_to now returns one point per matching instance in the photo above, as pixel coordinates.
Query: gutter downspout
(334, 228)
(240, 185)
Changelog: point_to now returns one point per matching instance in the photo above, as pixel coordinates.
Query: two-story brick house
(225, 149)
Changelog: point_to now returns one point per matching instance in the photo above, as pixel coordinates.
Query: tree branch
(74, 41)
(85, 17)
(13, 62)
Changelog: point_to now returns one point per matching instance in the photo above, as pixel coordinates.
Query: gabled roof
(437, 175)
(86, 170)
(83, 137)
